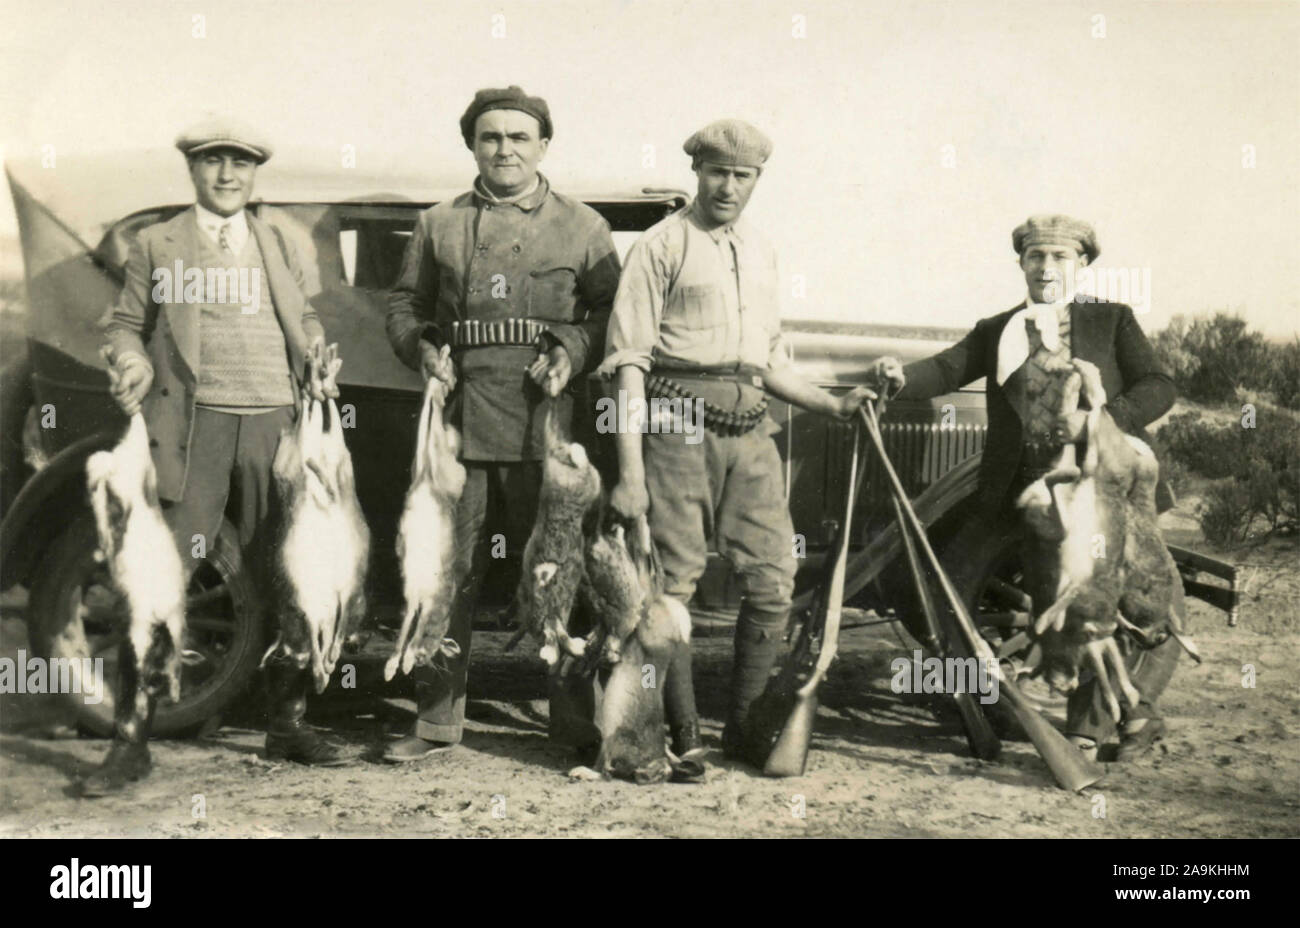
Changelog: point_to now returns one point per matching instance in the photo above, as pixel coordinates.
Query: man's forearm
(630, 382)
(785, 384)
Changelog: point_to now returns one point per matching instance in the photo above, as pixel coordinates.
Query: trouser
(229, 455)
(499, 498)
(1087, 713)
(728, 489)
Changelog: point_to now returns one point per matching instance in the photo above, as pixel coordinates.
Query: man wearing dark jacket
(517, 279)
(1014, 351)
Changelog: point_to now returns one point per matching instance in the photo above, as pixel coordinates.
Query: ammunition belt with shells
(481, 333)
(716, 419)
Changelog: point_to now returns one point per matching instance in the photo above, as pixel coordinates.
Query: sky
(910, 137)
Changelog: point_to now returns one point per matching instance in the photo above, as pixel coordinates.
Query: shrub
(1189, 441)
(1257, 472)
(1284, 374)
(1210, 358)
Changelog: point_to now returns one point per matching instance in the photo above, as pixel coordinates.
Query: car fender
(39, 511)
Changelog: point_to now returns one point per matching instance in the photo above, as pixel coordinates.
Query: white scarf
(1013, 346)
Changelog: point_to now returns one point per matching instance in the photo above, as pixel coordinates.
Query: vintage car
(76, 225)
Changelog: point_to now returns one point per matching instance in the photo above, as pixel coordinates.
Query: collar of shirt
(527, 201)
(1013, 346)
(733, 230)
(211, 225)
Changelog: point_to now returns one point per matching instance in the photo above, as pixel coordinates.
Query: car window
(372, 247)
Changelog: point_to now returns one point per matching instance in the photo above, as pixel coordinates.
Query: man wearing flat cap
(517, 280)
(216, 381)
(698, 316)
(1015, 352)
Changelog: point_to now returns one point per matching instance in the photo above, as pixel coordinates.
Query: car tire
(74, 610)
(992, 580)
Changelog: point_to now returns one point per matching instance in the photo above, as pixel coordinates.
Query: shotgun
(780, 723)
(1071, 769)
(983, 741)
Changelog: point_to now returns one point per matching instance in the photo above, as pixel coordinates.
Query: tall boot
(128, 757)
(758, 644)
(288, 737)
(679, 705)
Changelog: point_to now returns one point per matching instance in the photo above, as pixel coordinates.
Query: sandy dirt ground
(883, 764)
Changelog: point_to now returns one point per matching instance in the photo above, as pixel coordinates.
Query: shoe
(1133, 745)
(288, 737)
(128, 757)
(685, 740)
(413, 747)
(1087, 746)
(304, 746)
(126, 763)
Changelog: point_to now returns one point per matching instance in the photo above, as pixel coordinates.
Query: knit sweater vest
(1043, 389)
(243, 360)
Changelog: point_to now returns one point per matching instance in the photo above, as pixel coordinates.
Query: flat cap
(220, 132)
(504, 98)
(729, 141)
(1056, 230)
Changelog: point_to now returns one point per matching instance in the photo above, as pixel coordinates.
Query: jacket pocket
(551, 293)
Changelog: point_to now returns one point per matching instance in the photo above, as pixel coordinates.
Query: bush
(1210, 358)
(1189, 441)
(1256, 469)
(1284, 374)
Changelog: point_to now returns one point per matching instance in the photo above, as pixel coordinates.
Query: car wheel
(76, 611)
(1001, 608)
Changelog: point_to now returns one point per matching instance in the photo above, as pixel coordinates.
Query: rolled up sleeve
(638, 309)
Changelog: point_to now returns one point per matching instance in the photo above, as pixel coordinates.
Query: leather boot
(758, 644)
(288, 737)
(686, 741)
(128, 757)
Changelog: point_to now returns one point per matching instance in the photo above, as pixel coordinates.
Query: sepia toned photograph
(585, 418)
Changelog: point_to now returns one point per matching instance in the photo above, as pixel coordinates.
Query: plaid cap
(1056, 230)
(504, 98)
(220, 132)
(729, 141)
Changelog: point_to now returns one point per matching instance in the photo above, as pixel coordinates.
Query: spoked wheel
(1001, 607)
(76, 611)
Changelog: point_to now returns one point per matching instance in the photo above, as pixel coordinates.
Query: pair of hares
(1098, 539)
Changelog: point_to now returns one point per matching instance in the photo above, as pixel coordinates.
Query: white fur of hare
(426, 539)
(142, 557)
(320, 565)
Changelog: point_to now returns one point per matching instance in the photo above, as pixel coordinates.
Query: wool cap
(221, 132)
(729, 141)
(504, 98)
(1056, 230)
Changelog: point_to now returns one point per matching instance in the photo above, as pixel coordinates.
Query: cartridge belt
(716, 419)
(482, 333)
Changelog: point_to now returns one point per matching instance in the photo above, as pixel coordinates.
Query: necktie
(223, 238)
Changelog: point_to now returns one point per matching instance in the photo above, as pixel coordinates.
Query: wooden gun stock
(782, 718)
